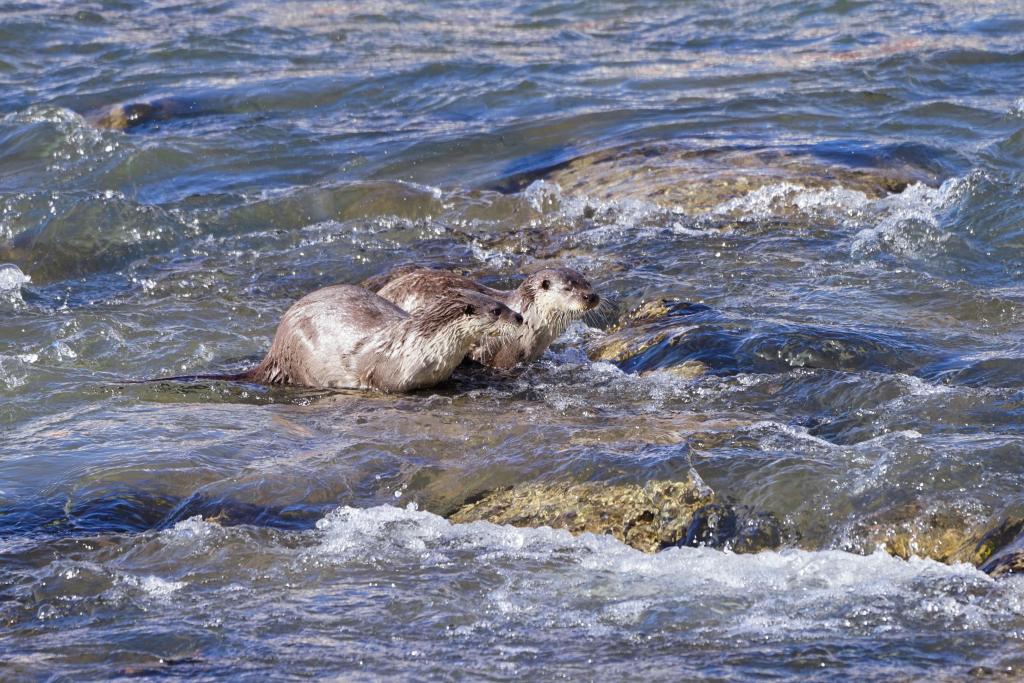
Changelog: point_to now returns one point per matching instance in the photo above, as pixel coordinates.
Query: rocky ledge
(656, 515)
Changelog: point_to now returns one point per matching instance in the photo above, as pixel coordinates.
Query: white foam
(919, 387)
(78, 145)
(11, 278)
(903, 222)
(11, 375)
(613, 218)
(836, 203)
(772, 429)
(192, 531)
(554, 576)
(153, 586)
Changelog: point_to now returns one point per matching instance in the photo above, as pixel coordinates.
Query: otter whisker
(600, 315)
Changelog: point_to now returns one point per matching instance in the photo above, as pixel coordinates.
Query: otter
(343, 336)
(127, 117)
(548, 301)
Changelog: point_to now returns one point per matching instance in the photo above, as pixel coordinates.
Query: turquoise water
(865, 356)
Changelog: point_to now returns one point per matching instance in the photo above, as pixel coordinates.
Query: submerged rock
(690, 369)
(648, 325)
(698, 180)
(908, 532)
(946, 536)
(739, 529)
(649, 517)
(629, 336)
(1000, 551)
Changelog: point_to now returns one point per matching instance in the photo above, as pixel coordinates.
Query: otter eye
(545, 284)
(495, 311)
(469, 310)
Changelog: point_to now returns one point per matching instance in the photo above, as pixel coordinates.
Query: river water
(865, 363)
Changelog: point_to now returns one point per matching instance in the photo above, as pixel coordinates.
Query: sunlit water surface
(865, 357)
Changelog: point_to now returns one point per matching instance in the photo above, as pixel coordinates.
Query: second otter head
(490, 315)
(561, 291)
(472, 313)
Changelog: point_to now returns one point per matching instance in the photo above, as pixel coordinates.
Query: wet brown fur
(548, 300)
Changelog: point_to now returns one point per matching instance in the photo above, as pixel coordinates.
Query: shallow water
(864, 352)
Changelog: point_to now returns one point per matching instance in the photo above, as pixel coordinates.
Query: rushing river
(861, 359)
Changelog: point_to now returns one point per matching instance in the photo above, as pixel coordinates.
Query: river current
(861, 350)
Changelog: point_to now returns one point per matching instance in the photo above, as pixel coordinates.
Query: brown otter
(135, 114)
(548, 300)
(343, 336)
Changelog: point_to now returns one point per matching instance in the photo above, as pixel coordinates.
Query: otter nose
(519, 318)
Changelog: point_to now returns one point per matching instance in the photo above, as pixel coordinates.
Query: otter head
(469, 315)
(488, 316)
(560, 293)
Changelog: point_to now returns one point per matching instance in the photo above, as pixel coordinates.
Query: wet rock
(757, 532)
(623, 341)
(649, 324)
(944, 545)
(698, 180)
(738, 529)
(996, 538)
(623, 346)
(911, 531)
(691, 369)
(645, 312)
(649, 517)
(712, 525)
(946, 536)
(1000, 551)
(1011, 562)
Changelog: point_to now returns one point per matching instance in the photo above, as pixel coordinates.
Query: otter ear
(469, 310)
(545, 284)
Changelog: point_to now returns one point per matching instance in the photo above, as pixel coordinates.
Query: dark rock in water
(1001, 550)
(116, 511)
(649, 517)
(129, 510)
(713, 525)
(649, 311)
(996, 538)
(738, 529)
(1005, 563)
(135, 114)
(756, 532)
